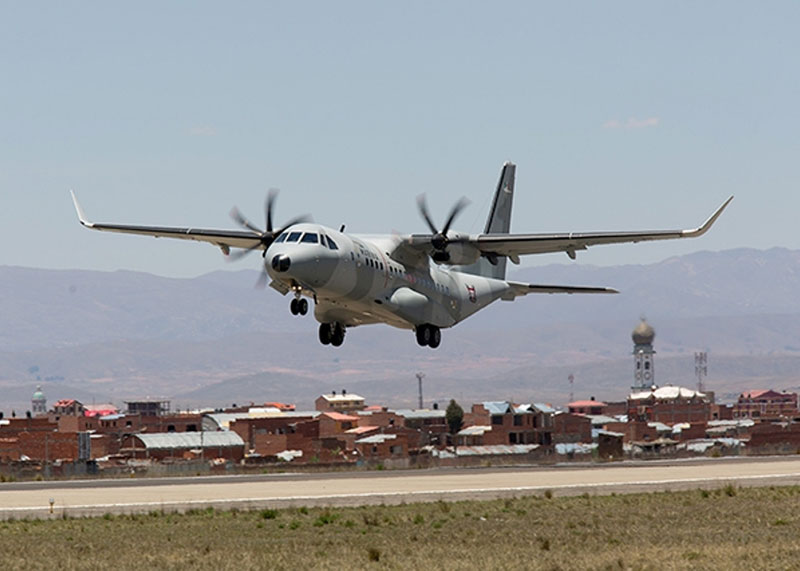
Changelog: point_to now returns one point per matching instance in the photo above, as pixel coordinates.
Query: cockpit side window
(281, 238)
(331, 244)
(310, 238)
(293, 237)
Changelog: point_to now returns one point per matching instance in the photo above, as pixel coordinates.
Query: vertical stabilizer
(498, 222)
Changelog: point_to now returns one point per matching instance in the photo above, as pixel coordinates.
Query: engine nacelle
(462, 254)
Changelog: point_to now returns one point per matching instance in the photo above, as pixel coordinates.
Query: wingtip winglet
(81, 215)
(706, 226)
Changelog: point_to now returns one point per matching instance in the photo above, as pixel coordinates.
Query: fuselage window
(293, 237)
(281, 238)
(331, 244)
(310, 238)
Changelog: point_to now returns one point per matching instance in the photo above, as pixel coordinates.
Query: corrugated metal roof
(544, 407)
(478, 430)
(667, 393)
(418, 413)
(376, 439)
(497, 450)
(600, 419)
(497, 407)
(165, 440)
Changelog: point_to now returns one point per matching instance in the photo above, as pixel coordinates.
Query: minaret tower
(644, 372)
(38, 403)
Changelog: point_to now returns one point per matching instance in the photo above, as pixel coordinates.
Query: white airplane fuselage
(358, 283)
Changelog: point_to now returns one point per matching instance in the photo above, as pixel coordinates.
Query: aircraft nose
(281, 263)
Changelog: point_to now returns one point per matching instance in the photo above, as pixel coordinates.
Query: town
(147, 438)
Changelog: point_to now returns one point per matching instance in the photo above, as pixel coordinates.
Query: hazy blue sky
(619, 115)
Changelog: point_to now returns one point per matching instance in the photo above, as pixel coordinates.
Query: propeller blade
(239, 254)
(423, 210)
(459, 206)
(262, 278)
(292, 222)
(244, 222)
(268, 206)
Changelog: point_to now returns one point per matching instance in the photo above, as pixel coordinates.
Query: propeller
(439, 241)
(265, 237)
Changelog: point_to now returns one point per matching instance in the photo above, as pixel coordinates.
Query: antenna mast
(701, 369)
(420, 376)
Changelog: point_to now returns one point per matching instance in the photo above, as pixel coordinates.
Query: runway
(98, 497)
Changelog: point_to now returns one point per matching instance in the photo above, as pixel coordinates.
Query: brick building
(339, 403)
(590, 406)
(163, 446)
(766, 405)
(510, 424)
(571, 428)
(669, 405)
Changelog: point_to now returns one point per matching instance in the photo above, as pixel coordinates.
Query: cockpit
(307, 238)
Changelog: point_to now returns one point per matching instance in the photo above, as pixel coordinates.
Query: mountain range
(215, 340)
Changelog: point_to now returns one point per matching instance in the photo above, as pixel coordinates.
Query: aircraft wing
(515, 245)
(518, 289)
(224, 239)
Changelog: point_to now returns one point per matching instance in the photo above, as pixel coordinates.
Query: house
(339, 403)
(183, 445)
(766, 404)
(669, 405)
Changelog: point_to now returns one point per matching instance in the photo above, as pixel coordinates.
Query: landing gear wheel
(325, 333)
(337, 336)
(294, 307)
(302, 306)
(436, 337)
(423, 334)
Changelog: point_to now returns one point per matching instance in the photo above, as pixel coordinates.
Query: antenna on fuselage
(341, 228)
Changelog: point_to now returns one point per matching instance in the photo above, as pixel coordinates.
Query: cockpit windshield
(294, 236)
(281, 238)
(310, 238)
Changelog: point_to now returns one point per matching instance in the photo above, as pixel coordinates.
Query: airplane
(419, 282)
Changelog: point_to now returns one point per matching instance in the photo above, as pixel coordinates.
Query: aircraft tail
(498, 222)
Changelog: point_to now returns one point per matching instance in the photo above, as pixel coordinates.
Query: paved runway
(79, 498)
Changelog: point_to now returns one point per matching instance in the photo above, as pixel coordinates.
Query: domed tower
(644, 372)
(38, 402)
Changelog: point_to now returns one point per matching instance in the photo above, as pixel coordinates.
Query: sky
(619, 116)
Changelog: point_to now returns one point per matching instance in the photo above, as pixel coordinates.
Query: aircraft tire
(423, 334)
(293, 307)
(325, 333)
(337, 337)
(302, 306)
(436, 337)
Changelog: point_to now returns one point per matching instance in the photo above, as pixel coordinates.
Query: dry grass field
(753, 528)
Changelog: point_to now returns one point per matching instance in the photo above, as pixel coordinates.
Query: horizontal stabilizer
(518, 289)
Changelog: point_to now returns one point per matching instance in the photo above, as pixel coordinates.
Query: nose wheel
(299, 306)
(428, 335)
(331, 334)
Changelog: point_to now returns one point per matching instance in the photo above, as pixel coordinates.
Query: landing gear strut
(428, 335)
(331, 334)
(299, 306)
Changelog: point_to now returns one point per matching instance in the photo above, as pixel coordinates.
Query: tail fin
(499, 222)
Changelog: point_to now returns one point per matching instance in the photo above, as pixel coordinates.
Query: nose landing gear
(428, 335)
(331, 334)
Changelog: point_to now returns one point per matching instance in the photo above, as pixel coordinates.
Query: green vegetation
(454, 416)
(729, 527)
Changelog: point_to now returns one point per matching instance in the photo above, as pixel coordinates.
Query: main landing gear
(299, 306)
(331, 334)
(428, 335)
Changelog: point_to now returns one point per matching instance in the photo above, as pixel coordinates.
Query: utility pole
(420, 376)
(701, 369)
(571, 379)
